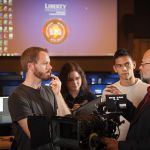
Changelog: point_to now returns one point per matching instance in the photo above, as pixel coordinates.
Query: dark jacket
(138, 137)
(82, 98)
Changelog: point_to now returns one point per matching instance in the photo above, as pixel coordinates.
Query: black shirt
(82, 98)
(26, 101)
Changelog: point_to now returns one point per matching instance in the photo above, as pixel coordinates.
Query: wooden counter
(5, 142)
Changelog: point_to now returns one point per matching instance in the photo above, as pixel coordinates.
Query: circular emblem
(55, 31)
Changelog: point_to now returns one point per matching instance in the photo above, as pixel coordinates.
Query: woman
(75, 89)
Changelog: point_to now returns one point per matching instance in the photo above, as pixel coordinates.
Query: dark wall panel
(142, 18)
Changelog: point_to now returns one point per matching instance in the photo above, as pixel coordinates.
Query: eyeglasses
(127, 65)
(144, 63)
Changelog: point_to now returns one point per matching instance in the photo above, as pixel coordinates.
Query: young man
(138, 137)
(31, 98)
(133, 87)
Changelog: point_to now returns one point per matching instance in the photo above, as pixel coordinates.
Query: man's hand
(56, 85)
(111, 144)
(62, 109)
(112, 90)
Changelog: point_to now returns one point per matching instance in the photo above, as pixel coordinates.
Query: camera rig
(82, 132)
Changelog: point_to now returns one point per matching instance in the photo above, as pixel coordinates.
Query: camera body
(116, 103)
(84, 132)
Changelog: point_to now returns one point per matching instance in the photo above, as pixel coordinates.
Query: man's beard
(41, 75)
(144, 79)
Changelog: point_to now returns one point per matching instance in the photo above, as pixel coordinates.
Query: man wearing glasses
(128, 84)
(138, 137)
(146, 65)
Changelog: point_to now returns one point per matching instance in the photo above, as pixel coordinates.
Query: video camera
(83, 132)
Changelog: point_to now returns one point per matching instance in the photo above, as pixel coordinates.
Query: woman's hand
(75, 106)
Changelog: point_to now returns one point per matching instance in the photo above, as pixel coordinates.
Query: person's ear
(134, 64)
(30, 66)
(114, 67)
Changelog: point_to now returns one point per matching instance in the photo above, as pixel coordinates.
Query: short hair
(121, 53)
(64, 73)
(30, 55)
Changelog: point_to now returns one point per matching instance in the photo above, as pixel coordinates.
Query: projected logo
(55, 31)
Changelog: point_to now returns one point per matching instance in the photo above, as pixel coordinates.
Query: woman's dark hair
(64, 74)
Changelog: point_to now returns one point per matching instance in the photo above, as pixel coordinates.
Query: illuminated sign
(55, 31)
(55, 9)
